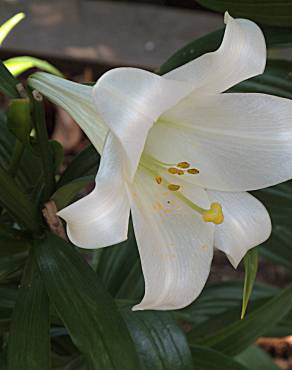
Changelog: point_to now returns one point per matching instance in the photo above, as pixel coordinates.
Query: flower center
(157, 168)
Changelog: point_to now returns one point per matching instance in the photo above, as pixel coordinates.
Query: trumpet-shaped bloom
(180, 155)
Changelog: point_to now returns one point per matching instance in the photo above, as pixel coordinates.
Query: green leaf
(29, 341)
(84, 164)
(215, 323)
(9, 246)
(27, 181)
(44, 147)
(9, 25)
(120, 269)
(209, 359)
(87, 310)
(192, 50)
(239, 335)
(17, 203)
(11, 266)
(9, 85)
(278, 200)
(7, 302)
(66, 194)
(13, 254)
(270, 12)
(276, 80)
(77, 363)
(254, 358)
(220, 299)
(18, 65)
(160, 343)
(58, 153)
(251, 268)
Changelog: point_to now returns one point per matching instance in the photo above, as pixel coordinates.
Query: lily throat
(158, 170)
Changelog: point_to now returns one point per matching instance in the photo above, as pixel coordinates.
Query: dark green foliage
(57, 311)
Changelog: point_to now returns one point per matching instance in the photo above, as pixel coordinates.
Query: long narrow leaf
(254, 358)
(234, 338)
(17, 202)
(275, 36)
(9, 25)
(251, 268)
(29, 341)
(65, 194)
(84, 164)
(18, 65)
(209, 359)
(87, 310)
(8, 83)
(272, 12)
(160, 343)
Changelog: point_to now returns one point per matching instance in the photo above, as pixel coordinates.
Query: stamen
(183, 165)
(158, 179)
(214, 214)
(173, 187)
(193, 171)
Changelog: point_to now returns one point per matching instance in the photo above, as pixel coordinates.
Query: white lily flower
(180, 155)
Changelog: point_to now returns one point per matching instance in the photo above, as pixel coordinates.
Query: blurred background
(84, 38)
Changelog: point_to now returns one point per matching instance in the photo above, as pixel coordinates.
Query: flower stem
(44, 146)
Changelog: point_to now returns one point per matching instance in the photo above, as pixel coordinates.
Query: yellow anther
(183, 165)
(180, 172)
(158, 179)
(214, 214)
(193, 171)
(173, 170)
(173, 187)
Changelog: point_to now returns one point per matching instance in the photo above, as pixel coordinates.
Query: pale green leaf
(9, 25)
(21, 64)
(251, 268)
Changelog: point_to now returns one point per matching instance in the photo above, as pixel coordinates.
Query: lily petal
(130, 100)
(241, 55)
(76, 100)
(246, 224)
(238, 142)
(175, 245)
(101, 218)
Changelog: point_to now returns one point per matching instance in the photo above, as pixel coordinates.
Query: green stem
(43, 144)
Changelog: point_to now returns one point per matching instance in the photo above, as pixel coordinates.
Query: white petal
(76, 99)
(241, 55)
(246, 224)
(238, 142)
(175, 245)
(130, 100)
(101, 218)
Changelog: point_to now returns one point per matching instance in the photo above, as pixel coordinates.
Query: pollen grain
(173, 187)
(183, 165)
(193, 171)
(173, 170)
(158, 179)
